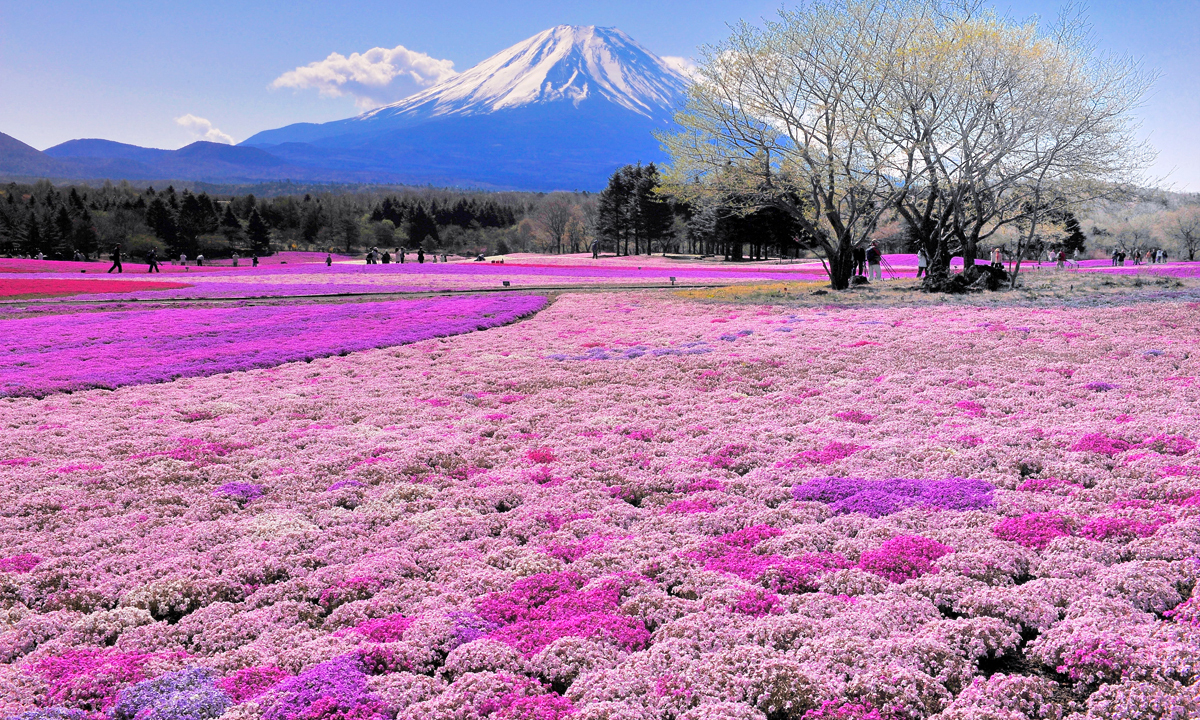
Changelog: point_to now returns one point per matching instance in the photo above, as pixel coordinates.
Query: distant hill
(20, 160)
(559, 111)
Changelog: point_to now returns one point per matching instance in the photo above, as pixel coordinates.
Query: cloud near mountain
(203, 129)
(373, 78)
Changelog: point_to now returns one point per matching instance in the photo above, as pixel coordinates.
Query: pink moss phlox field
(882, 514)
(112, 349)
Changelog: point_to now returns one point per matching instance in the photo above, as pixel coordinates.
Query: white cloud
(203, 129)
(373, 78)
(684, 66)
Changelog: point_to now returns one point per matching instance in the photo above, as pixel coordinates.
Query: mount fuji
(559, 111)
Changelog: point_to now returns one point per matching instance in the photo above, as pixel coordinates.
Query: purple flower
(878, 498)
(185, 695)
(240, 492)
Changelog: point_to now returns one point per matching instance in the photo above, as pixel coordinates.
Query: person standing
(387, 258)
(200, 260)
(596, 249)
(401, 253)
(421, 255)
(328, 259)
(1062, 259)
(874, 258)
(235, 259)
(997, 259)
(860, 261)
(152, 261)
(922, 263)
(116, 259)
(254, 261)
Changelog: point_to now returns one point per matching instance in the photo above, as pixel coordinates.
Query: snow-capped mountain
(562, 64)
(558, 111)
(581, 67)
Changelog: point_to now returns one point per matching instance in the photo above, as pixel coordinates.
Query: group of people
(374, 257)
(868, 261)
(152, 260)
(1139, 257)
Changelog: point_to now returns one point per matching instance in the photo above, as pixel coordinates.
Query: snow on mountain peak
(563, 64)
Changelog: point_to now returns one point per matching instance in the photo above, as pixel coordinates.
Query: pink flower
(1034, 530)
(904, 557)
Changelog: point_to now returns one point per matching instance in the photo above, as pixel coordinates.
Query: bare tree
(786, 116)
(1183, 226)
(555, 215)
(963, 123)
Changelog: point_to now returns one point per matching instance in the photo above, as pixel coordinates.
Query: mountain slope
(20, 160)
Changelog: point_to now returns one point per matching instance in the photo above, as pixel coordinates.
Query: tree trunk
(839, 263)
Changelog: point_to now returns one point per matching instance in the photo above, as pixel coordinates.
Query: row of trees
(58, 222)
(844, 113)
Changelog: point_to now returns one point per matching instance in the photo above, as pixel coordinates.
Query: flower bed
(41, 287)
(69, 352)
(882, 513)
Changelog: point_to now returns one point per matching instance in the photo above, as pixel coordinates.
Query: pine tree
(85, 239)
(611, 211)
(33, 236)
(192, 222)
(231, 227)
(259, 234)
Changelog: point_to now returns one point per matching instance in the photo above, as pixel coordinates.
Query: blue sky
(127, 71)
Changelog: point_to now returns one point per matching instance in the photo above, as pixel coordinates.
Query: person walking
(116, 259)
(152, 261)
(874, 258)
(595, 249)
(254, 261)
(922, 263)
(1062, 259)
(421, 255)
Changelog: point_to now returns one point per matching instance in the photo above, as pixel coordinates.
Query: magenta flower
(904, 557)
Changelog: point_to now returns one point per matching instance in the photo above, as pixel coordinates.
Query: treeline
(60, 222)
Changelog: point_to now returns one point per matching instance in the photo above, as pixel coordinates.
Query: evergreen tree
(192, 222)
(33, 236)
(231, 227)
(162, 222)
(64, 232)
(418, 225)
(612, 223)
(1075, 239)
(85, 239)
(630, 209)
(259, 234)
